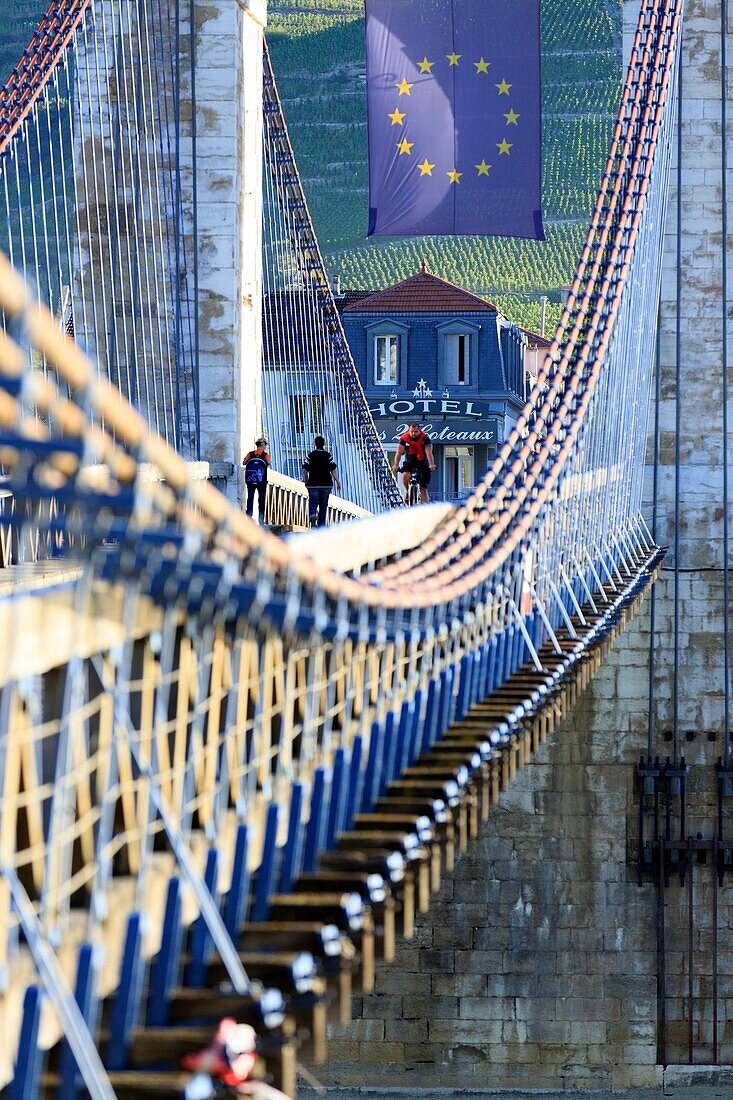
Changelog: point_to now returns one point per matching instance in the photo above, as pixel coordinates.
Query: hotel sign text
(451, 431)
(421, 407)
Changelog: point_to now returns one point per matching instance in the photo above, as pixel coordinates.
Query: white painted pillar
(228, 46)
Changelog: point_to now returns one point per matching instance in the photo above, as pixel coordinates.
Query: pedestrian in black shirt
(256, 464)
(320, 475)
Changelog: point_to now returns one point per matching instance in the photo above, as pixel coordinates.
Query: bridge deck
(370, 539)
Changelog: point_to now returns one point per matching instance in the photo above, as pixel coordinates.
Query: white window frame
(386, 336)
(467, 348)
(459, 327)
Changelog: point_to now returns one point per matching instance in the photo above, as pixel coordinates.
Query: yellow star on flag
(426, 66)
(511, 118)
(503, 88)
(403, 87)
(504, 147)
(453, 58)
(426, 169)
(405, 146)
(454, 177)
(483, 168)
(482, 66)
(397, 116)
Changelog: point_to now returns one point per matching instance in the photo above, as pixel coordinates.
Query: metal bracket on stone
(663, 847)
(662, 793)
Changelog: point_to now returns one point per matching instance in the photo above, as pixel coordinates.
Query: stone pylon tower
(549, 966)
(193, 102)
(227, 42)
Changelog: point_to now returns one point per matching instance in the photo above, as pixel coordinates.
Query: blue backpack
(255, 469)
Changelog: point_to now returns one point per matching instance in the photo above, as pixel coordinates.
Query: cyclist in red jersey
(417, 449)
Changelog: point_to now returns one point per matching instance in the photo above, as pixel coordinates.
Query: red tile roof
(535, 340)
(421, 293)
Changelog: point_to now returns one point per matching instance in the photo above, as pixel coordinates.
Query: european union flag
(454, 117)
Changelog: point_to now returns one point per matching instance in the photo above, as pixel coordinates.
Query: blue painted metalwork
(315, 821)
(337, 799)
(464, 687)
(448, 701)
(67, 1010)
(26, 1084)
(200, 938)
(167, 963)
(84, 995)
(237, 899)
(402, 741)
(492, 663)
(390, 751)
(373, 767)
(290, 857)
(225, 587)
(125, 1013)
(476, 670)
(432, 713)
(414, 728)
(354, 776)
(266, 872)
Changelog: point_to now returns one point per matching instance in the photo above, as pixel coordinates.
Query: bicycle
(413, 488)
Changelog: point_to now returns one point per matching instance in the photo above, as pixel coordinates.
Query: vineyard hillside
(318, 53)
(317, 49)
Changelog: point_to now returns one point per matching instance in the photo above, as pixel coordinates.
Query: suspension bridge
(236, 771)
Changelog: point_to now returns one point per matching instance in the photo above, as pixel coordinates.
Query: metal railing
(287, 505)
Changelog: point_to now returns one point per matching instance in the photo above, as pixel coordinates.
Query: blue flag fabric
(454, 117)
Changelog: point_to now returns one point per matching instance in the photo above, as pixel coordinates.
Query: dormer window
(458, 353)
(458, 359)
(387, 345)
(386, 360)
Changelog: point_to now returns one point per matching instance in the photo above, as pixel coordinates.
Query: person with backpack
(256, 464)
(320, 475)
